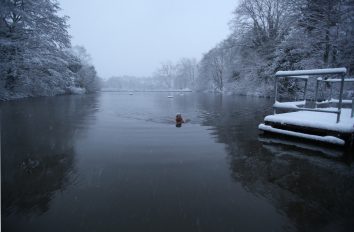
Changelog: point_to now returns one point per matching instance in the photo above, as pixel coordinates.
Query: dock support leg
(340, 97)
(316, 93)
(352, 108)
(305, 90)
(275, 93)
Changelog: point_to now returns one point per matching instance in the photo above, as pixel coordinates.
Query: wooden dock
(320, 127)
(328, 125)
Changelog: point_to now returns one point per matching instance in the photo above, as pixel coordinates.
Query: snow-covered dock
(318, 126)
(326, 125)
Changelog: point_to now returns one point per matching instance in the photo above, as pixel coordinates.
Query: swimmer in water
(179, 120)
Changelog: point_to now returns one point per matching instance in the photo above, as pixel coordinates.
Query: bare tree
(212, 68)
(267, 20)
(186, 71)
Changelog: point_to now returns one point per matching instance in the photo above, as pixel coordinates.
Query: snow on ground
(318, 120)
(77, 90)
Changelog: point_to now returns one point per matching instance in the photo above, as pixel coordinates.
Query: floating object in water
(130, 93)
(170, 96)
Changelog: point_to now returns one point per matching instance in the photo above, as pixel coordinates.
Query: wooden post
(340, 97)
(316, 93)
(305, 90)
(352, 108)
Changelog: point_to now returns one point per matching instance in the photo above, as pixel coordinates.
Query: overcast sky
(133, 37)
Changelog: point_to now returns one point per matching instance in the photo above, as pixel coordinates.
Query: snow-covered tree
(212, 69)
(272, 35)
(265, 20)
(32, 37)
(86, 75)
(34, 44)
(186, 72)
(178, 75)
(166, 73)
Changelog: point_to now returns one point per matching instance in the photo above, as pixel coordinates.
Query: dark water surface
(116, 162)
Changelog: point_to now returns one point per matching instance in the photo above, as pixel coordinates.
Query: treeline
(272, 35)
(36, 57)
(268, 36)
(130, 83)
(181, 75)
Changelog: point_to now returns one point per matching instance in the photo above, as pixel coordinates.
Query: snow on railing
(299, 77)
(332, 100)
(289, 105)
(335, 80)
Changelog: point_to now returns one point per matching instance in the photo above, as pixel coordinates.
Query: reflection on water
(116, 161)
(37, 153)
(312, 185)
(329, 152)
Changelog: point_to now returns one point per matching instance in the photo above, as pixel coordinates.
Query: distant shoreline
(135, 91)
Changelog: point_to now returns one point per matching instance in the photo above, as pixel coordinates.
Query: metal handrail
(307, 109)
(312, 72)
(303, 78)
(335, 80)
(333, 101)
(303, 74)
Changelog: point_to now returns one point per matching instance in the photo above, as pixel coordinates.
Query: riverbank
(10, 96)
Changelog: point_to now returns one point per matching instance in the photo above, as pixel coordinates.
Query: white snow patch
(77, 90)
(326, 139)
(289, 105)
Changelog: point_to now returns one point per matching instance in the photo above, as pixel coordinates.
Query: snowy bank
(76, 90)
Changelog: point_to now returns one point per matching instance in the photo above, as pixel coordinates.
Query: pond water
(116, 162)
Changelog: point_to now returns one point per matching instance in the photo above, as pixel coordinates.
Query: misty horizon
(133, 38)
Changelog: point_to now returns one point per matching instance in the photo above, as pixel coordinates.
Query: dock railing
(305, 75)
(331, 81)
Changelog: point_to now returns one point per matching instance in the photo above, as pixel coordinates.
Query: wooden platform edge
(326, 139)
